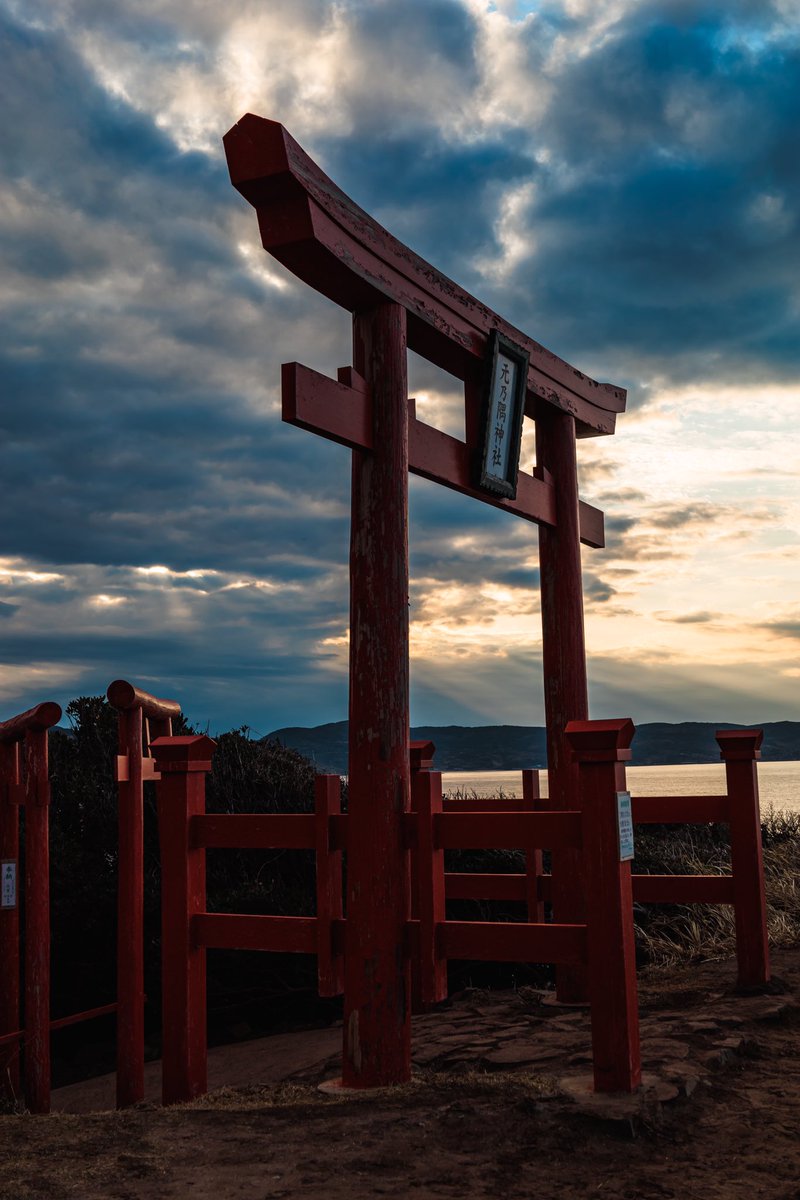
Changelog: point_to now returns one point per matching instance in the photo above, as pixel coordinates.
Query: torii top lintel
(315, 230)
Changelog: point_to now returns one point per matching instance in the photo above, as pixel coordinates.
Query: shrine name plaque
(504, 409)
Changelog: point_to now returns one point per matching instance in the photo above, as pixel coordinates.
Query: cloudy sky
(619, 178)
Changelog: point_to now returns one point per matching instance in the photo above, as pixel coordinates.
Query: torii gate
(399, 301)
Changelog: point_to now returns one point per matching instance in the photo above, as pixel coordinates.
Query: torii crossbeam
(401, 302)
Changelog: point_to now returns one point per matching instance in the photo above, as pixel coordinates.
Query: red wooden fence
(603, 945)
(142, 717)
(24, 782)
(743, 888)
(600, 948)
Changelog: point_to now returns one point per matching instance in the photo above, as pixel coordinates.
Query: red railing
(24, 781)
(142, 717)
(603, 945)
(743, 888)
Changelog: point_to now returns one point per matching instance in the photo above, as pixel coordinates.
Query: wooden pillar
(37, 922)
(181, 795)
(427, 803)
(328, 803)
(377, 1028)
(9, 921)
(130, 915)
(534, 865)
(563, 661)
(740, 748)
(601, 749)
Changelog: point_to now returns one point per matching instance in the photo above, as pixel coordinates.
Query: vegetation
(250, 992)
(691, 933)
(248, 776)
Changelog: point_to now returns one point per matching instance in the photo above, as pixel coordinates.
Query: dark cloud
(144, 330)
(785, 628)
(597, 590)
(692, 618)
(413, 181)
(666, 225)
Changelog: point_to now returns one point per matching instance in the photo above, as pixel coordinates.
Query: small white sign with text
(625, 826)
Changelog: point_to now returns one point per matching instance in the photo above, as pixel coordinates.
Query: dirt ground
(499, 1107)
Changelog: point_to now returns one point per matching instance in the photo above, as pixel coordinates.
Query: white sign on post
(8, 883)
(625, 826)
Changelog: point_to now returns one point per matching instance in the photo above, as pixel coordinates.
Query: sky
(618, 178)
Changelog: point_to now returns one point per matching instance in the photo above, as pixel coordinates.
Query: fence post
(141, 718)
(37, 922)
(181, 795)
(601, 749)
(427, 802)
(9, 917)
(420, 756)
(330, 965)
(739, 750)
(534, 868)
(130, 914)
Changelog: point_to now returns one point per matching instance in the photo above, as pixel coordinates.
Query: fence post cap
(187, 752)
(739, 744)
(421, 755)
(37, 719)
(601, 741)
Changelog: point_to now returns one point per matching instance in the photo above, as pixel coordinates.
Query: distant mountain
(512, 747)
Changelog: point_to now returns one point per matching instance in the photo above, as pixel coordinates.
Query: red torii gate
(400, 302)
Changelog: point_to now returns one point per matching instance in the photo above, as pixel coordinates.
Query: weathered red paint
(253, 931)
(314, 229)
(683, 889)
(9, 923)
(37, 922)
(343, 414)
(130, 914)
(509, 830)
(601, 749)
(123, 696)
(533, 854)
(508, 941)
(563, 661)
(377, 999)
(37, 719)
(330, 964)
(25, 781)
(183, 763)
(679, 810)
(739, 749)
(432, 964)
(137, 709)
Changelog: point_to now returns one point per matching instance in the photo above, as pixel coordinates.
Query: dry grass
(669, 934)
(425, 1085)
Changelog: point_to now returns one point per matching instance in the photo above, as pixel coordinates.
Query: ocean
(779, 782)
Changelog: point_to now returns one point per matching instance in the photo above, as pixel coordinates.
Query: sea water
(778, 782)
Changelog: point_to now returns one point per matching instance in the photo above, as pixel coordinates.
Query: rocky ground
(499, 1107)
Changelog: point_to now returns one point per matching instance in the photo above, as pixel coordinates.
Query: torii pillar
(563, 662)
(377, 993)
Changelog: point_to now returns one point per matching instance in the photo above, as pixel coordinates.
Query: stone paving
(523, 1031)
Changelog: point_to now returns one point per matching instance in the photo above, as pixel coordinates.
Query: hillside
(512, 747)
